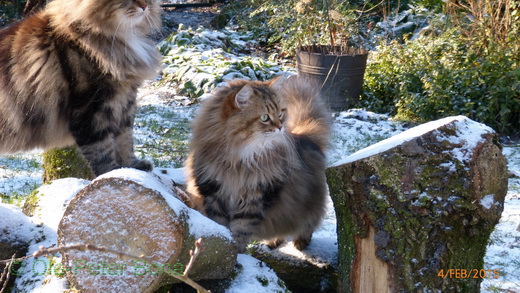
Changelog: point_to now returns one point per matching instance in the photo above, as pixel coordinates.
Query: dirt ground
(191, 16)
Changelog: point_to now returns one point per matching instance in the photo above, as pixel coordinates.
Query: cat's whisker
(114, 37)
(153, 24)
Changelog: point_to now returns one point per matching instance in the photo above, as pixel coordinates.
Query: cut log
(301, 274)
(415, 212)
(135, 212)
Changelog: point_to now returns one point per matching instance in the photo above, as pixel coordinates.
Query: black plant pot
(339, 76)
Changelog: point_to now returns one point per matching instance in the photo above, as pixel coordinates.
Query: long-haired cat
(69, 74)
(257, 162)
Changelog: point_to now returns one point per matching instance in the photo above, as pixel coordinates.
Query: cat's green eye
(264, 118)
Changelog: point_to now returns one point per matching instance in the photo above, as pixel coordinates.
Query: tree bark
(65, 162)
(125, 215)
(415, 215)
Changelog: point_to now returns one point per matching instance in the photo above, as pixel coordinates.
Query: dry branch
(43, 251)
(6, 274)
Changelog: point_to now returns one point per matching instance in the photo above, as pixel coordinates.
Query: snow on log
(139, 213)
(415, 211)
(15, 235)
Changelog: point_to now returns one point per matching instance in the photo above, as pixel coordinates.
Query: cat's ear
(243, 96)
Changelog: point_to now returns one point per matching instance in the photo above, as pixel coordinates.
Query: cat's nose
(142, 5)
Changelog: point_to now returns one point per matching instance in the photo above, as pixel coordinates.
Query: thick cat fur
(263, 179)
(69, 75)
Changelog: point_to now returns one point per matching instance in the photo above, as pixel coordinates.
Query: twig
(194, 254)
(6, 261)
(190, 282)
(332, 42)
(6, 273)
(83, 247)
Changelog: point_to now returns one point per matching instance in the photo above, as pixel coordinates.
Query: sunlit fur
(69, 74)
(263, 179)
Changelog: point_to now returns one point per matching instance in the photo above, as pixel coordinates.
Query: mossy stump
(415, 212)
(65, 162)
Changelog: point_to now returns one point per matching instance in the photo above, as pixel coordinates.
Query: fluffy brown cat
(69, 74)
(257, 160)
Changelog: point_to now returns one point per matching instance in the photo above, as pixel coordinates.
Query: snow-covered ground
(161, 134)
(503, 251)
(353, 130)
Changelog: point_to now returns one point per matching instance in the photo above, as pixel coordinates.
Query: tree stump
(135, 212)
(415, 211)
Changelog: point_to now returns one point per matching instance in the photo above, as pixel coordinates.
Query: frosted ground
(162, 132)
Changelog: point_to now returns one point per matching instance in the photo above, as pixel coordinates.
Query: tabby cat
(69, 75)
(257, 160)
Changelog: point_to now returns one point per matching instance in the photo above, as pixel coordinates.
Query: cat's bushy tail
(307, 112)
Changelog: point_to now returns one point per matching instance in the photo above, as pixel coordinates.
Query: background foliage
(10, 10)
(429, 59)
(469, 66)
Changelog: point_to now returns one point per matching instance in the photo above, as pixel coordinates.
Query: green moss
(262, 280)
(64, 163)
(31, 203)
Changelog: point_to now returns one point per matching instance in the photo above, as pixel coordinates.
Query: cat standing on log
(69, 74)
(257, 160)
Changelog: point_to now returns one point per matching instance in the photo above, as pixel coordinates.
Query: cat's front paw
(143, 165)
(273, 243)
(301, 243)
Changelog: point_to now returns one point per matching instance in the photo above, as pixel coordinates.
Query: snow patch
(255, 277)
(55, 198)
(487, 201)
(38, 275)
(20, 173)
(356, 129)
(176, 174)
(468, 133)
(15, 227)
